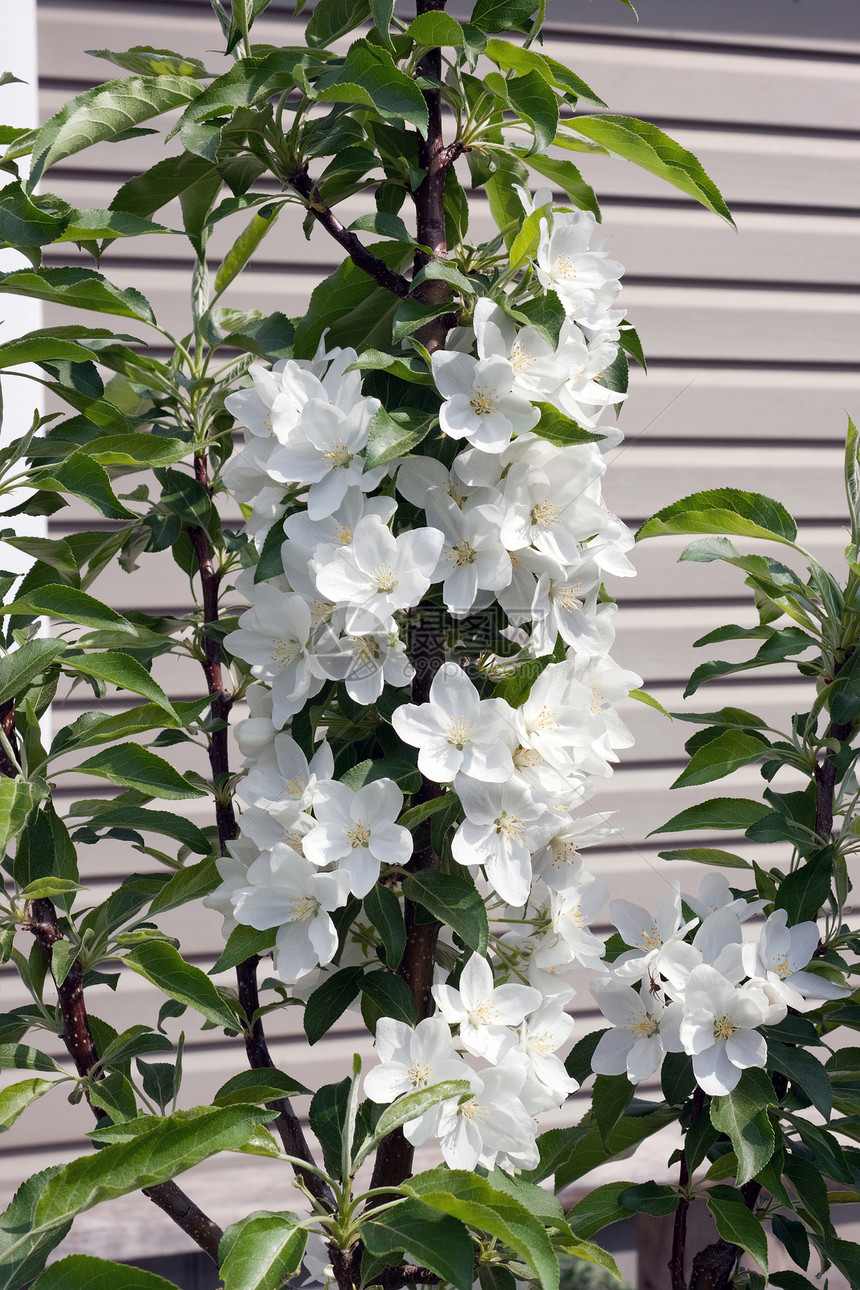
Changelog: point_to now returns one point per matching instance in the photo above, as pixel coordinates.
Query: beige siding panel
(646, 82)
(754, 339)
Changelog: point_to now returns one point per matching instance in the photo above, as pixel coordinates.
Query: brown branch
(354, 247)
(8, 769)
(434, 158)
(679, 1233)
(80, 1045)
(257, 1050)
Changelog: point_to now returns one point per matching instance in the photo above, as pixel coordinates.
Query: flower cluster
(706, 994)
(501, 515)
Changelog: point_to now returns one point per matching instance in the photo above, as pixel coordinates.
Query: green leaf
(242, 943)
(257, 1087)
(718, 813)
(465, 1196)
(455, 901)
(81, 475)
(22, 1250)
(723, 510)
(803, 891)
(261, 1252)
(611, 1097)
(736, 1224)
(410, 1106)
(397, 433)
(78, 289)
(176, 1143)
(20, 667)
(132, 766)
(435, 29)
(15, 1098)
(511, 57)
(245, 245)
(104, 112)
(385, 995)
(433, 1239)
(146, 61)
(70, 605)
(599, 1208)
(83, 1272)
(537, 104)
(648, 147)
(589, 1150)
(707, 855)
(561, 430)
(567, 177)
(172, 826)
(742, 1116)
(92, 225)
(721, 756)
(22, 1057)
(145, 450)
(18, 797)
(370, 78)
(523, 245)
(330, 1000)
(588, 1252)
(165, 967)
(383, 909)
(333, 18)
(649, 1198)
(349, 303)
(124, 672)
(502, 15)
(803, 1070)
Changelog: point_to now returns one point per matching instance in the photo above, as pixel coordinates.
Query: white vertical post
(21, 398)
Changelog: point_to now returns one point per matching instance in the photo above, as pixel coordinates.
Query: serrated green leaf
(726, 753)
(648, 147)
(370, 78)
(23, 1057)
(723, 510)
(330, 1000)
(718, 813)
(397, 433)
(257, 1087)
(502, 15)
(455, 901)
(736, 1224)
(243, 943)
(334, 18)
(70, 605)
(19, 668)
(124, 672)
(132, 766)
(561, 430)
(84, 1272)
(261, 1252)
(165, 967)
(536, 102)
(708, 855)
(15, 1098)
(246, 244)
(18, 797)
(22, 1250)
(476, 1203)
(146, 61)
(103, 112)
(435, 1240)
(410, 1106)
(742, 1116)
(78, 289)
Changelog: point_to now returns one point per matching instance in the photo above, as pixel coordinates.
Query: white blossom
(379, 572)
(481, 404)
(504, 825)
(410, 1060)
(491, 1123)
(780, 958)
(357, 831)
(457, 732)
(643, 1028)
(482, 1010)
(287, 892)
(719, 1029)
(274, 637)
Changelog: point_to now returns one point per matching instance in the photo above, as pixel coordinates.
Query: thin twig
(80, 1045)
(257, 1050)
(354, 247)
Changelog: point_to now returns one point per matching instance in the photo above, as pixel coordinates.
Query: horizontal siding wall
(752, 340)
